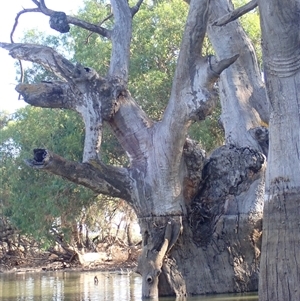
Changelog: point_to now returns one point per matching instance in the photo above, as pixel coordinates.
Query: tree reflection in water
(81, 286)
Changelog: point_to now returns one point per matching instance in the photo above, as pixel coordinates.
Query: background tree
(38, 211)
(30, 207)
(62, 217)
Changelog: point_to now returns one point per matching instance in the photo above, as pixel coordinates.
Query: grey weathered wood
(242, 93)
(235, 14)
(280, 273)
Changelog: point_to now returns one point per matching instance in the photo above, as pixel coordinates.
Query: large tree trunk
(200, 217)
(280, 269)
(218, 246)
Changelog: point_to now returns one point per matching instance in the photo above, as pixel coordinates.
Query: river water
(80, 286)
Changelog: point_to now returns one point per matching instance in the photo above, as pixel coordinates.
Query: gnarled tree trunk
(200, 217)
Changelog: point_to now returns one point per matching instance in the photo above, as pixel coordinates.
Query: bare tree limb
(192, 95)
(37, 3)
(216, 67)
(100, 23)
(42, 8)
(131, 126)
(12, 39)
(107, 180)
(50, 59)
(28, 10)
(72, 20)
(49, 95)
(88, 26)
(236, 13)
(121, 39)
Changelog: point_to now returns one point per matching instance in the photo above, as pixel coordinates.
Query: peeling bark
(229, 172)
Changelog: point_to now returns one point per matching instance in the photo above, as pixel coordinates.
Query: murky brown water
(79, 286)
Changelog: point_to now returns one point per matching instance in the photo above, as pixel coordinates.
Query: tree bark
(242, 92)
(279, 270)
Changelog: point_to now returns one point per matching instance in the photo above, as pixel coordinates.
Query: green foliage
(208, 132)
(62, 44)
(37, 201)
(92, 50)
(155, 47)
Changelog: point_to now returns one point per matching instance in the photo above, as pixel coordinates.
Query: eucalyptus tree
(200, 217)
(42, 206)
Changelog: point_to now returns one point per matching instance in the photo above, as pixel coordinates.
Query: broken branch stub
(159, 236)
(102, 179)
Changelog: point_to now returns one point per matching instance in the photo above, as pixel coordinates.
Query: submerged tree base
(281, 239)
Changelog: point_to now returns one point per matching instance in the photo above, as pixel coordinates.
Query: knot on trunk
(58, 21)
(261, 135)
(112, 93)
(194, 158)
(227, 173)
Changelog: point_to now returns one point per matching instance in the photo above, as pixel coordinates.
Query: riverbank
(119, 260)
(123, 267)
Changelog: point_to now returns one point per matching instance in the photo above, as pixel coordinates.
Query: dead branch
(121, 39)
(217, 68)
(193, 76)
(49, 59)
(12, 39)
(235, 14)
(101, 178)
(61, 16)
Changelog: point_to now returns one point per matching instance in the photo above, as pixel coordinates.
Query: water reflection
(75, 286)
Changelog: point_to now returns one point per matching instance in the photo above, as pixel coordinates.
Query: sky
(8, 96)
